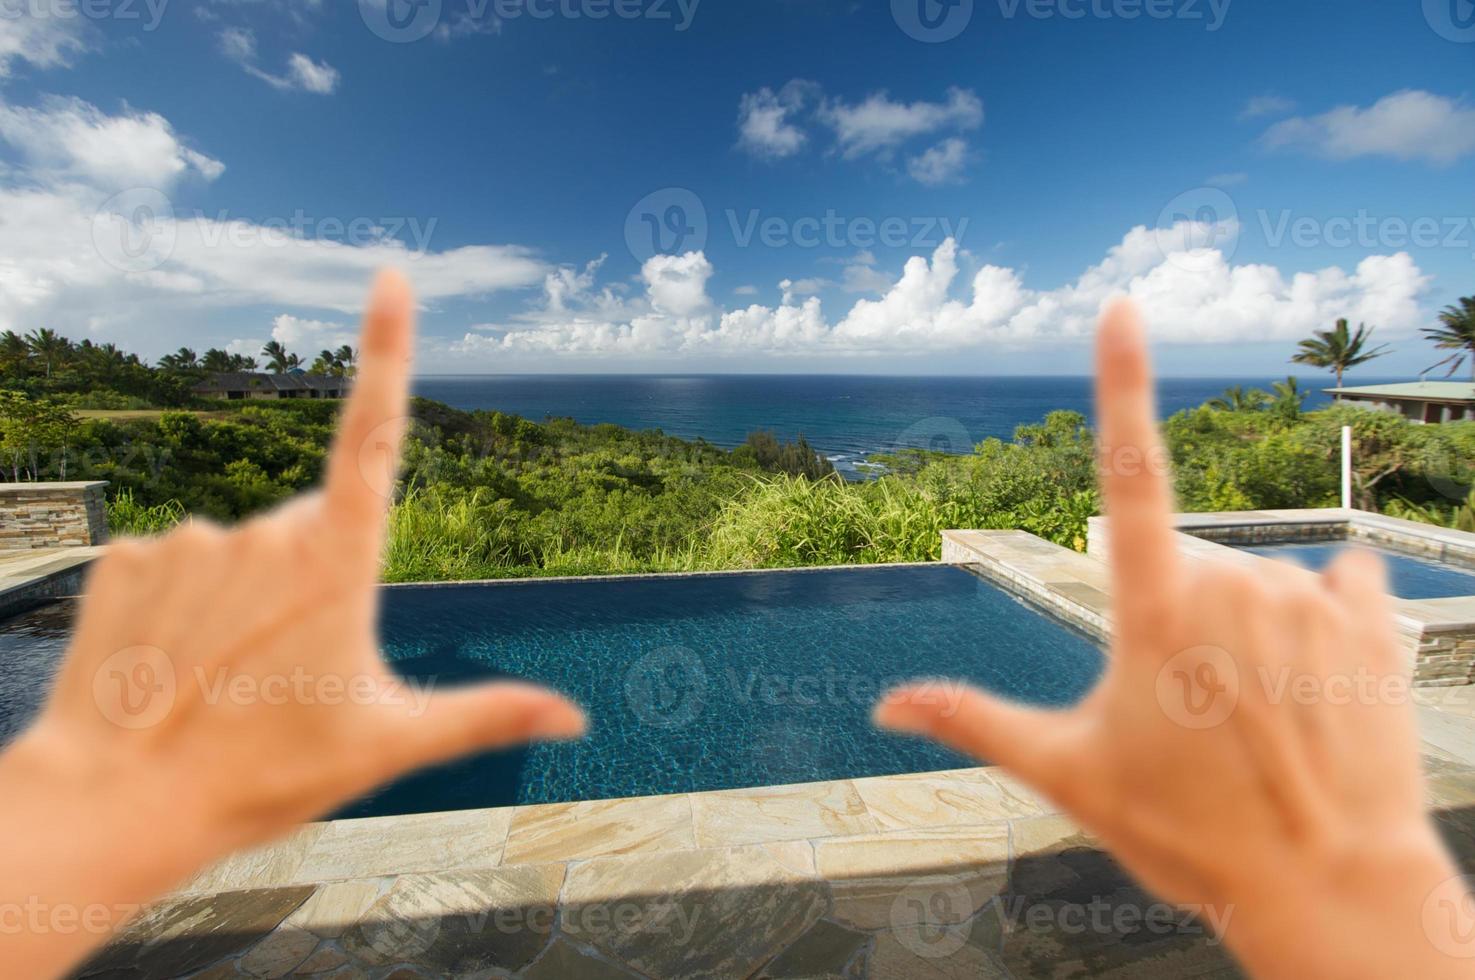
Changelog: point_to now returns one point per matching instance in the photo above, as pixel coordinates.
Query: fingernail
(898, 716)
(559, 722)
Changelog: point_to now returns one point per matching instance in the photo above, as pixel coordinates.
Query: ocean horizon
(847, 418)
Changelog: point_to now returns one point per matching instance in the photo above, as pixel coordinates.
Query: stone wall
(52, 515)
(1277, 533)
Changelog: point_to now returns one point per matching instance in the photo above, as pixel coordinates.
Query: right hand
(1251, 745)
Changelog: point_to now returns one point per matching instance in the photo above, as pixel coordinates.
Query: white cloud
(317, 77)
(1266, 105)
(862, 276)
(302, 73)
(1407, 125)
(1190, 296)
(42, 42)
(60, 254)
(308, 336)
(772, 125)
(941, 164)
(677, 284)
(879, 124)
(766, 126)
(68, 139)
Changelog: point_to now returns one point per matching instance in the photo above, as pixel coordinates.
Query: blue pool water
(719, 681)
(692, 683)
(1410, 577)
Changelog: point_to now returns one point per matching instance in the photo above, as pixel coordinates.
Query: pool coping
(1438, 634)
(34, 576)
(641, 576)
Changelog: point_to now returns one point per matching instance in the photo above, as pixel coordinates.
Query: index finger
(365, 459)
(1134, 468)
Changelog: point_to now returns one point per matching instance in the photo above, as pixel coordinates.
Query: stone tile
(1070, 910)
(565, 961)
(701, 913)
(279, 953)
(463, 840)
(921, 952)
(325, 960)
(824, 951)
(1046, 835)
(459, 923)
(261, 867)
(900, 876)
(939, 800)
(189, 933)
(771, 813)
(795, 855)
(598, 828)
(336, 906)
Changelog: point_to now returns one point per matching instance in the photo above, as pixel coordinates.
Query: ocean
(845, 417)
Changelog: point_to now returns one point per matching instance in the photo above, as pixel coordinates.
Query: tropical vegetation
(1339, 349)
(485, 494)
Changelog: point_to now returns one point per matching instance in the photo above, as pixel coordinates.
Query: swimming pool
(1409, 577)
(692, 683)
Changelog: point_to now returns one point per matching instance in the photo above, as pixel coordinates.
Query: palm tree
(1287, 398)
(216, 360)
(326, 364)
(277, 358)
(183, 359)
(47, 346)
(1456, 332)
(13, 349)
(1237, 399)
(345, 356)
(1338, 349)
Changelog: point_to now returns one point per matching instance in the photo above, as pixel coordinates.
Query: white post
(1347, 466)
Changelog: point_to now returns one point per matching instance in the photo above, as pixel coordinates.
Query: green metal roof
(1446, 391)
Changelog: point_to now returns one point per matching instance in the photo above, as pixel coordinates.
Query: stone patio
(931, 875)
(934, 875)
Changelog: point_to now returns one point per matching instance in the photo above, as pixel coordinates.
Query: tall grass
(127, 516)
(773, 522)
(788, 521)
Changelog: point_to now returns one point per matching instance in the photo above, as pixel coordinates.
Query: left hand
(222, 686)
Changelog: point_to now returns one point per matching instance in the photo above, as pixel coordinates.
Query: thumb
(481, 718)
(1029, 742)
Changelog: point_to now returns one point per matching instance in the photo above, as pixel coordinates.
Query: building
(1417, 401)
(243, 385)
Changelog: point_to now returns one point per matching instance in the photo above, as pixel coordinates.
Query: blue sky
(227, 171)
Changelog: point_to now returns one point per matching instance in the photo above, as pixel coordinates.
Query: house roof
(257, 380)
(234, 380)
(1442, 391)
(325, 382)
